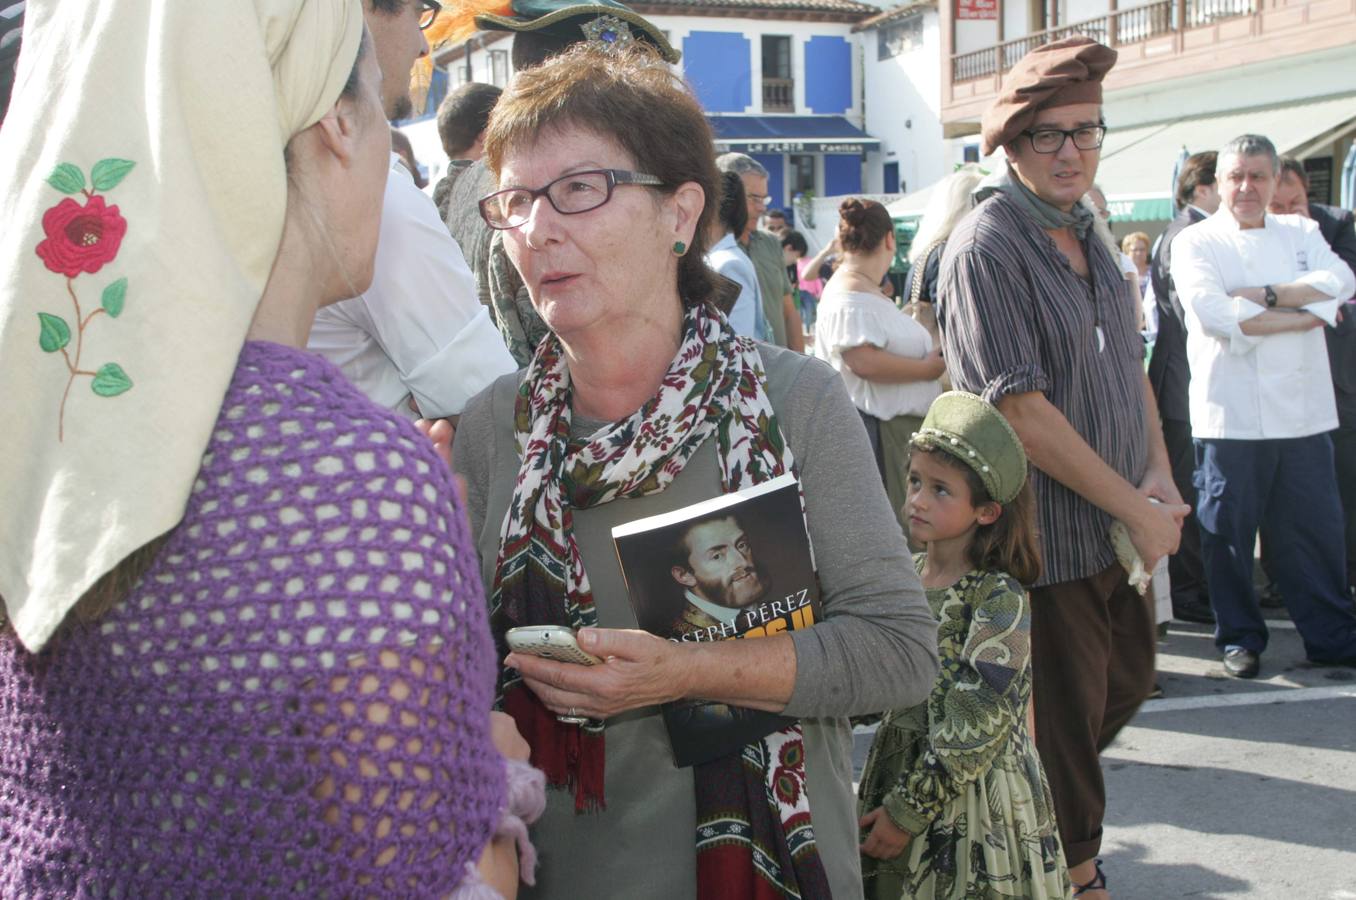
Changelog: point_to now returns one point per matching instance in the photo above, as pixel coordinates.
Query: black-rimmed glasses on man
(1051, 140)
(428, 11)
(577, 192)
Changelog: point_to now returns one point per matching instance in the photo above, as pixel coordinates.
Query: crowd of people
(258, 578)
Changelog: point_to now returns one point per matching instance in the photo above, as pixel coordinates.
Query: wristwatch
(1272, 299)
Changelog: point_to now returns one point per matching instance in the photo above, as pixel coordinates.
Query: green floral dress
(960, 771)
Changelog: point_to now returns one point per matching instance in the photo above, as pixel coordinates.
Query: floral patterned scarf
(754, 837)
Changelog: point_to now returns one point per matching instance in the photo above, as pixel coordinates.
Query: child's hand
(886, 840)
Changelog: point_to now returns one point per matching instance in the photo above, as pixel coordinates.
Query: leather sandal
(1098, 883)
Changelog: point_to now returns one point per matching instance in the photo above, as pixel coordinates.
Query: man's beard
(736, 595)
(403, 108)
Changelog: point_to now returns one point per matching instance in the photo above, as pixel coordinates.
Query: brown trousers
(1092, 662)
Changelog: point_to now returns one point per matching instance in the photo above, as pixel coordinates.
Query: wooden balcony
(779, 95)
(1161, 41)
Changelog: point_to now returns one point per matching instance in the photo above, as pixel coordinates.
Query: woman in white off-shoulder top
(887, 360)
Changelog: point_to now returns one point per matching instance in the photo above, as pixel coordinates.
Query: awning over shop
(1137, 163)
(790, 134)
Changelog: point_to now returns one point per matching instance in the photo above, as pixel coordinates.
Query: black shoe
(1241, 663)
(1156, 692)
(1197, 611)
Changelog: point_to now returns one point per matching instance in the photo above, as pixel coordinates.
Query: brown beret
(1059, 74)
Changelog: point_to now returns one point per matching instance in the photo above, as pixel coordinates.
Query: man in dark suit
(1197, 197)
(1338, 227)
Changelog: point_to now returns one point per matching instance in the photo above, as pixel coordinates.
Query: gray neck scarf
(1046, 216)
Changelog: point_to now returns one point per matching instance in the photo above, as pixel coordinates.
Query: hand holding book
(641, 669)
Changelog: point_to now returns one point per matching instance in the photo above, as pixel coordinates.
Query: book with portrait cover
(736, 567)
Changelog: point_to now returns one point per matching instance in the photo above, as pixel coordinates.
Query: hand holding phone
(549, 642)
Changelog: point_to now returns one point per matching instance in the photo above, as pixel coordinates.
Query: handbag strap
(916, 294)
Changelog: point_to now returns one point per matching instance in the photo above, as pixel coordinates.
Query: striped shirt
(1014, 318)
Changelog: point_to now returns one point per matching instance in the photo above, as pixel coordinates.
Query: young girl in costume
(953, 799)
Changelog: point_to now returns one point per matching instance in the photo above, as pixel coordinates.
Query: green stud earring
(679, 248)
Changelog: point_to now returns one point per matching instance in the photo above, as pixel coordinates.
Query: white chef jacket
(1250, 387)
(419, 330)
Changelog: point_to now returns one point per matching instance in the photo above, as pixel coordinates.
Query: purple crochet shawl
(294, 701)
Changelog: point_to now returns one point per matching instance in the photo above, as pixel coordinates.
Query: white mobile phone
(549, 642)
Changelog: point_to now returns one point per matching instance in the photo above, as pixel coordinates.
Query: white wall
(975, 34)
(1017, 20)
(1081, 10)
(902, 99)
(1259, 84)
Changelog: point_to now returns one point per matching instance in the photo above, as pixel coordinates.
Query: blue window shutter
(828, 75)
(718, 65)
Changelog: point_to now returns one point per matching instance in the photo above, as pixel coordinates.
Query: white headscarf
(142, 182)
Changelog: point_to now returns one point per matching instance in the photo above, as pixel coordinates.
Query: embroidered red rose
(81, 238)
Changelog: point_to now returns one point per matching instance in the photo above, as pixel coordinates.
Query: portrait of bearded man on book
(713, 560)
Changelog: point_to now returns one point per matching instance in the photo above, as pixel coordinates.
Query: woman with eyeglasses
(643, 400)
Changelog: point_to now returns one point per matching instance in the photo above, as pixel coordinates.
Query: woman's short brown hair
(635, 100)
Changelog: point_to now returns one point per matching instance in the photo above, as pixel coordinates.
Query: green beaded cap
(567, 18)
(972, 430)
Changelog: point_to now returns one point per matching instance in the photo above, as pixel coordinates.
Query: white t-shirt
(1256, 387)
(848, 319)
(419, 329)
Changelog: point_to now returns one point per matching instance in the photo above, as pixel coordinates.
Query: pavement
(1232, 789)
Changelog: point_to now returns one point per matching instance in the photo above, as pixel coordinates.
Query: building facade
(780, 80)
(902, 97)
(1192, 74)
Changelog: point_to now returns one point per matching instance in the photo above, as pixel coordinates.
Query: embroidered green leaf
(109, 173)
(55, 332)
(114, 296)
(110, 381)
(67, 178)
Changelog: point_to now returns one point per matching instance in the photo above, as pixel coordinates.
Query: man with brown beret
(1036, 317)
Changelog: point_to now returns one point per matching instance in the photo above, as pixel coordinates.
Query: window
(499, 68)
(779, 90)
(776, 56)
(970, 153)
(899, 37)
(802, 174)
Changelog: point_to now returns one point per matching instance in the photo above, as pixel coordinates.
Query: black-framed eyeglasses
(428, 11)
(569, 195)
(1051, 140)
